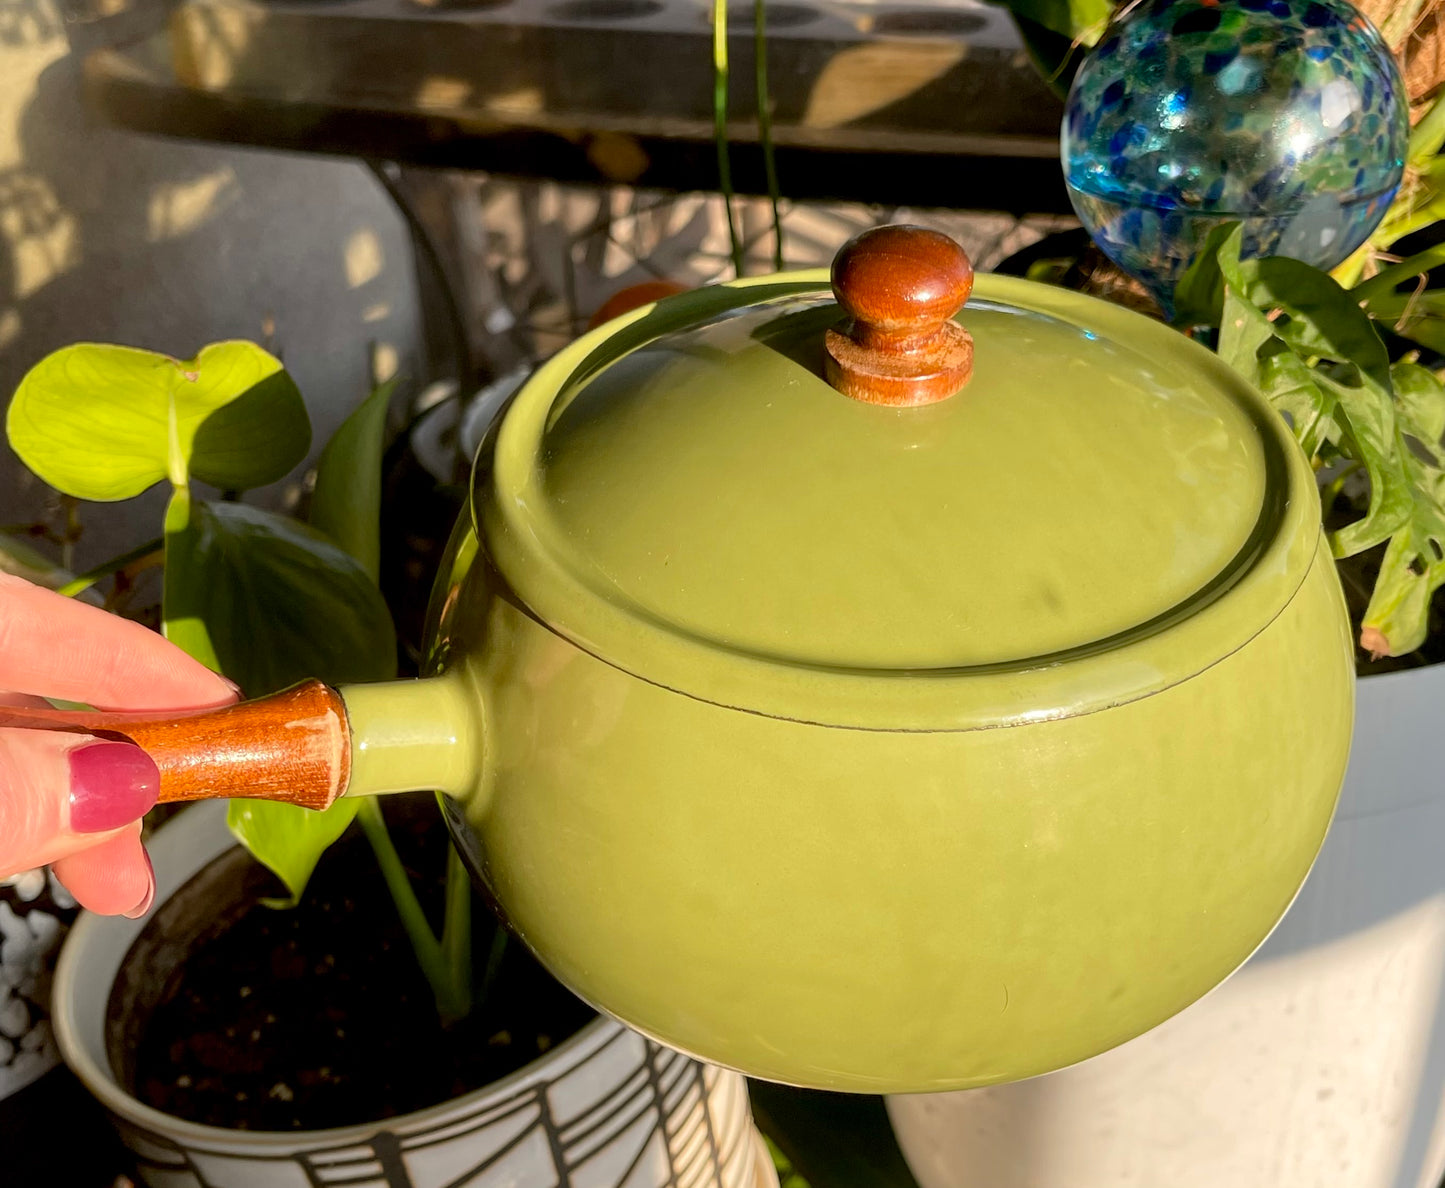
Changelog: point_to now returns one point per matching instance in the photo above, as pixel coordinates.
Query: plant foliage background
(1352, 358)
(266, 599)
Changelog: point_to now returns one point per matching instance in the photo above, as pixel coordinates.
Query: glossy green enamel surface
(1103, 511)
(1062, 787)
(888, 911)
(1074, 490)
(413, 734)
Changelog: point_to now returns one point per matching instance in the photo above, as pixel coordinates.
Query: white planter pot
(1320, 1063)
(606, 1109)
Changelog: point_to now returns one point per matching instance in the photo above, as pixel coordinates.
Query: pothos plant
(265, 599)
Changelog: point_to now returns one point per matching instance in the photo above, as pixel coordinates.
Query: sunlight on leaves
(1314, 351)
(107, 422)
(1083, 21)
(1292, 388)
(1413, 569)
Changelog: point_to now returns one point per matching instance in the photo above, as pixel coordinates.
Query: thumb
(63, 793)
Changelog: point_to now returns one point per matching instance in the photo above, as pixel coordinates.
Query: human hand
(74, 801)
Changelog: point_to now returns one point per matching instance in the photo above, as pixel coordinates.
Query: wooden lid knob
(901, 286)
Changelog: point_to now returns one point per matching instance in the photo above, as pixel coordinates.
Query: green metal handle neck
(416, 735)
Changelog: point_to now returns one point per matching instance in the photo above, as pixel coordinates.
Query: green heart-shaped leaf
(346, 504)
(269, 601)
(1199, 294)
(107, 422)
(275, 600)
(288, 839)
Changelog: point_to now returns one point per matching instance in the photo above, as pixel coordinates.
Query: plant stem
(1427, 136)
(1337, 484)
(151, 548)
(1402, 219)
(457, 930)
(1416, 219)
(495, 954)
(765, 124)
(1413, 207)
(720, 124)
(1400, 22)
(451, 1000)
(72, 531)
(1349, 270)
(1386, 279)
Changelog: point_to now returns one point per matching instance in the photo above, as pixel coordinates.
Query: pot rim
(177, 857)
(1220, 618)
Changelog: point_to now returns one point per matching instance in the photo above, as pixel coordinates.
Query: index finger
(57, 647)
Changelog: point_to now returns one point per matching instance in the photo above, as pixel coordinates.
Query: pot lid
(1061, 486)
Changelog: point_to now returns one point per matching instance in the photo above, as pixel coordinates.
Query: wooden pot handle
(901, 286)
(293, 746)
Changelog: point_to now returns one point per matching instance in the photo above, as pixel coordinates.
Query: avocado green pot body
(880, 749)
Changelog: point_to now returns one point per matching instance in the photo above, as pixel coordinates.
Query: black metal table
(924, 106)
(899, 103)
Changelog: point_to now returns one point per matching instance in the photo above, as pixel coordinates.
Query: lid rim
(883, 676)
(1252, 588)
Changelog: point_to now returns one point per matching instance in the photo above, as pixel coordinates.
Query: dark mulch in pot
(318, 1016)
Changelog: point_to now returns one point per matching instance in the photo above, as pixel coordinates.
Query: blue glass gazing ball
(1286, 115)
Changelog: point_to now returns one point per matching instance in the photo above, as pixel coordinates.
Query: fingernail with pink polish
(144, 906)
(111, 785)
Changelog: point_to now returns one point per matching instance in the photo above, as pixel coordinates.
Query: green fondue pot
(883, 741)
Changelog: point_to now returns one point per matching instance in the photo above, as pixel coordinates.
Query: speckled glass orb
(1287, 115)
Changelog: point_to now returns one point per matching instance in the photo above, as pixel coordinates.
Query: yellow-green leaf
(1420, 403)
(1367, 416)
(1083, 21)
(107, 422)
(1291, 387)
(287, 838)
(1398, 616)
(1243, 330)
